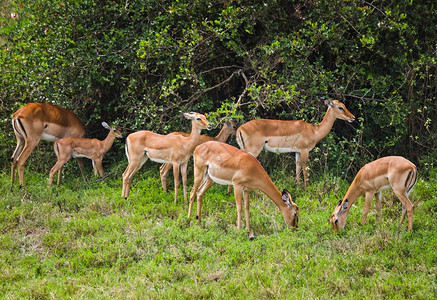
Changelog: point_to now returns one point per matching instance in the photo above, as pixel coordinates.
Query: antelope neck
(322, 129)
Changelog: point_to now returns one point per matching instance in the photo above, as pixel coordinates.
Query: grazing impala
(290, 136)
(170, 149)
(93, 149)
(228, 128)
(225, 164)
(393, 172)
(36, 121)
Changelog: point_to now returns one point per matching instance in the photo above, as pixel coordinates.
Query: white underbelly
(48, 137)
(75, 155)
(279, 149)
(161, 161)
(384, 187)
(219, 180)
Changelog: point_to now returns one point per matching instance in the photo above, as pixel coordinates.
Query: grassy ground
(82, 240)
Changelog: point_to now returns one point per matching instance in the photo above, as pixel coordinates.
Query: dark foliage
(141, 63)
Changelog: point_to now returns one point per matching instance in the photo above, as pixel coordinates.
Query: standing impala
(36, 121)
(170, 149)
(393, 172)
(290, 136)
(93, 149)
(225, 164)
(228, 128)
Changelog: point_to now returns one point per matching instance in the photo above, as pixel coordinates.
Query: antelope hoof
(251, 236)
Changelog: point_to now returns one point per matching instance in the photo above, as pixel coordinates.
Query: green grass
(80, 240)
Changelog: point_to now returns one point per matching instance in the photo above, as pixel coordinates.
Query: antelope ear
(232, 124)
(286, 196)
(328, 102)
(189, 116)
(345, 205)
(104, 124)
(228, 124)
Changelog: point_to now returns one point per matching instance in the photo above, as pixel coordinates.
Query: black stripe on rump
(413, 180)
(22, 127)
(242, 140)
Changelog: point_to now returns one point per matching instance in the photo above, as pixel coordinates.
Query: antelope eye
(341, 108)
(199, 119)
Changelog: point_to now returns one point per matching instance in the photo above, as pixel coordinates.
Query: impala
(170, 149)
(93, 149)
(290, 136)
(36, 121)
(228, 128)
(225, 164)
(393, 172)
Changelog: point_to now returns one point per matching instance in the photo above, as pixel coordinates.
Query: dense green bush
(140, 63)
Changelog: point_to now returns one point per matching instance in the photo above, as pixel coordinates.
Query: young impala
(290, 136)
(170, 149)
(228, 128)
(225, 164)
(93, 149)
(393, 172)
(36, 121)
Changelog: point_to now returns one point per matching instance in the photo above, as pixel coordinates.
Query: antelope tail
(56, 148)
(126, 149)
(19, 128)
(411, 180)
(240, 139)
